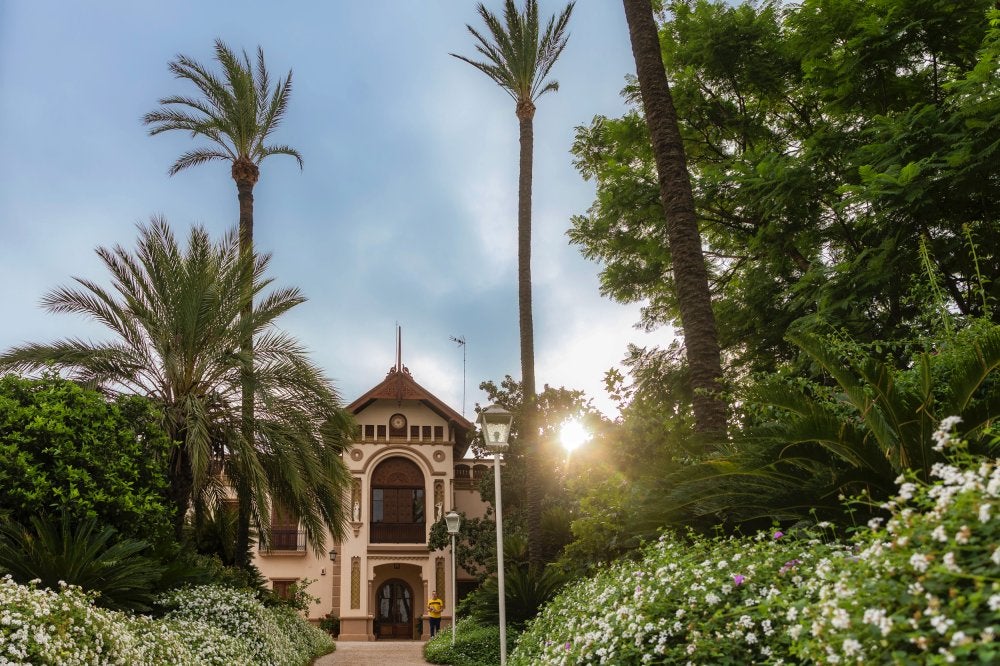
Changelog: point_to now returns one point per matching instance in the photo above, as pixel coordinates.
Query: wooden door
(394, 603)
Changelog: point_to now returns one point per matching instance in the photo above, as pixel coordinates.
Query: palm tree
(690, 274)
(518, 57)
(877, 423)
(177, 316)
(237, 114)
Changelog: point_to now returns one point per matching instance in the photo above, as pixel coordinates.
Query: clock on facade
(397, 422)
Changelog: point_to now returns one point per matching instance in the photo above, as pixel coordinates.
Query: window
(414, 432)
(284, 588)
(398, 502)
(369, 431)
(439, 433)
(285, 532)
(381, 432)
(427, 433)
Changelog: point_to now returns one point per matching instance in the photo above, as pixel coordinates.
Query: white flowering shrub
(922, 589)
(41, 627)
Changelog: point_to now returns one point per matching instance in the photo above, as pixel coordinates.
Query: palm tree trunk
(690, 275)
(181, 485)
(528, 432)
(244, 186)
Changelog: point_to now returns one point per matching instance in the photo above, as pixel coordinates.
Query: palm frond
(516, 55)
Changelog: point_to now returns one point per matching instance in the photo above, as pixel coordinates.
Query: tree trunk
(528, 431)
(690, 275)
(245, 173)
(181, 485)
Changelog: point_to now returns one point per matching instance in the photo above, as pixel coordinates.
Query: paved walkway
(375, 653)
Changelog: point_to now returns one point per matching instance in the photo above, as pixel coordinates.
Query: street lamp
(495, 422)
(453, 521)
(333, 554)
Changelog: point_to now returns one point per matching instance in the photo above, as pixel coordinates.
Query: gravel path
(375, 653)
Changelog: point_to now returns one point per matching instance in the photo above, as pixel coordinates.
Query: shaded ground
(376, 653)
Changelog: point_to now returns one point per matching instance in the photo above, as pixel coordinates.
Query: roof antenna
(460, 340)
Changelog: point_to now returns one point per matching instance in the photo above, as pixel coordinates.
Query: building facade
(408, 469)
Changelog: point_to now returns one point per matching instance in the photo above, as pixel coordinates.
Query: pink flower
(738, 579)
(778, 535)
(790, 564)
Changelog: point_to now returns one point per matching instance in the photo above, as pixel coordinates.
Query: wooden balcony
(398, 533)
(285, 541)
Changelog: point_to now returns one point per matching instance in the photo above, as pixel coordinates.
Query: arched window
(398, 502)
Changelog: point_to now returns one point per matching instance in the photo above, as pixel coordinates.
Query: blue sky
(406, 208)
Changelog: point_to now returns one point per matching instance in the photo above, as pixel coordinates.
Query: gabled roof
(399, 385)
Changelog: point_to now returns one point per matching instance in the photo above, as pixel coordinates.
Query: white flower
(984, 513)
(963, 534)
(840, 619)
(850, 647)
(941, 623)
(919, 562)
(942, 436)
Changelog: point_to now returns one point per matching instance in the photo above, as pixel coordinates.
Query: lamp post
(495, 422)
(454, 522)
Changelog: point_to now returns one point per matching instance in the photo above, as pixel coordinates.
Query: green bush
(66, 447)
(56, 552)
(923, 589)
(525, 592)
(475, 645)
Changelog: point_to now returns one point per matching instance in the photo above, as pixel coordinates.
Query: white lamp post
(495, 422)
(454, 522)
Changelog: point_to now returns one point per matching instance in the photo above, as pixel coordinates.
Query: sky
(405, 211)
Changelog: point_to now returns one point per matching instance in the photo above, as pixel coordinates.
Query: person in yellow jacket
(434, 608)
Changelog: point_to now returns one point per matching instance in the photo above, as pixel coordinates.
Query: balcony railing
(398, 533)
(286, 540)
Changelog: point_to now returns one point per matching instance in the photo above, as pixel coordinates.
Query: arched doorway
(394, 610)
(398, 502)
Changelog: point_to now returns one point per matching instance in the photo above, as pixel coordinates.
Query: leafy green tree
(690, 277)
(476, 543)
(519, 55)
(554, 406)
(237, 114)
(176, 316)
(67, 448)
(826, 142)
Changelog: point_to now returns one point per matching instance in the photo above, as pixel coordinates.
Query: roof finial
(399, 348)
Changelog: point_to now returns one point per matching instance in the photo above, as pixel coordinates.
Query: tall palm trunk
(246, 173)
(528, 429)
(181, 484)
(690, 274)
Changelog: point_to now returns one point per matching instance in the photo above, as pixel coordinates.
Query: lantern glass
(453, 521)
(495, 422)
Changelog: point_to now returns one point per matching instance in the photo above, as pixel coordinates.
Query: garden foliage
(206, 625)
(922, 589)
(64, 447)
(475, 645)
